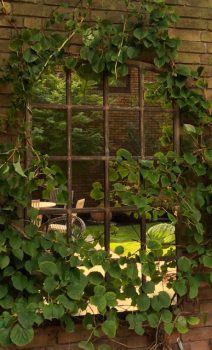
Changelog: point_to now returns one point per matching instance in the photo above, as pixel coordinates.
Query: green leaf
(166, 316)
(111, 299)
(164, 299)
(100, 302)
(156, 303)
(26, 318)
(5, 336)
(143, 302)
(29, 56)
(77, 285)
(140, 33)
(67, 303)
(132, 52)
(4, 261)
(180, 287)
(207, 261)
(124, 154)
(50, 284)
(104, 347)
(51, 311)
(184, 264)
(148, 287)
(109, 328)
(153, 320)
(189, 158)
(19, 281)
(193, 320)
(169, 327)
(18, 253)
(3, 291)
(86, 345)
(48, 268)
(18, 169)
(132, 271)
(95, 278)
(119, 250)
(183, 70)
(190, 129)
(200, 169)
(21, 336)
(181, 325)
(113, 175)
(70, 62)
(69, 323)
(7, 302)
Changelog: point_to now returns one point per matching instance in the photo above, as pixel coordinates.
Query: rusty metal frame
(106, 157)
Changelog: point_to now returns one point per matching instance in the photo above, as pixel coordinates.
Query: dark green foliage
(42, 276)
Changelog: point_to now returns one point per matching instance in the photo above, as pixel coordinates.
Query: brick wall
(198, 338)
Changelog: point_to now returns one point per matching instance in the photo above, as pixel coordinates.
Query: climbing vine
(42, 276)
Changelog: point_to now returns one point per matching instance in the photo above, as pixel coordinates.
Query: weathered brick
(206, 36)
(4, 45)
(3, 58)
(63, 347)
(188, 58)
(205, 293)
(28, 1)
(76, 336)
(209, 94)
(5, 22)
(197, 3)
(206, 307)
(188, 46)
(5, 33)
(199, 345)
(210, 25)
(194, 334)
(133, 341)
(31, 22)
(44, 337)
(192, 23)
(189, 35)
(32, 10)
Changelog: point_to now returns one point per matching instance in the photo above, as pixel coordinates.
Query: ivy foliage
(44, 277)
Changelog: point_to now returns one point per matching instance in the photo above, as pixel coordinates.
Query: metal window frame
(69, 108)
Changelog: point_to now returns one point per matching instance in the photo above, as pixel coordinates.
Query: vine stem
(59, 49)
(122, 41)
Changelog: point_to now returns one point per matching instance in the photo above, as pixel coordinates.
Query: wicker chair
(35, 203)
(59, 224)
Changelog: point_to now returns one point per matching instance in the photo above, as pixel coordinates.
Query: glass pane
(51, 88)
(49, 131)
(87, 133)
(124, 131)
(86, 89)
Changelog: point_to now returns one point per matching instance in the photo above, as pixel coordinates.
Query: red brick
(76, 336)
(206, 307)
(44, 337)
(200, 345)
(201, 333)
(63, 347)
(206, 292)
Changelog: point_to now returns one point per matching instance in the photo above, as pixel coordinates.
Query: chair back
(80, 203)
(35, 203)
